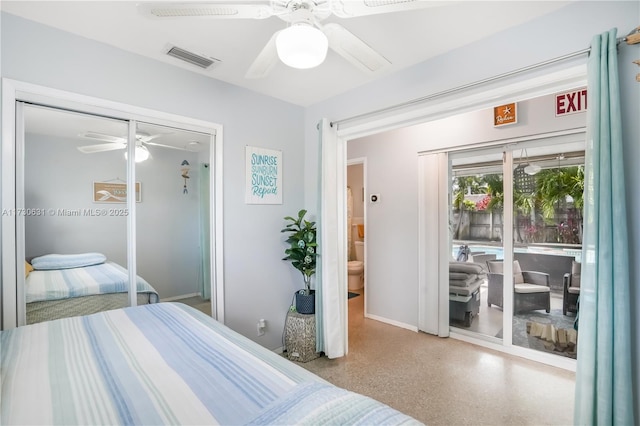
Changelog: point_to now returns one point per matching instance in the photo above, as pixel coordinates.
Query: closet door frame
(12, 314)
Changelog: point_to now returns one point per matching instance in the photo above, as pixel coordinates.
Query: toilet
(356, 268)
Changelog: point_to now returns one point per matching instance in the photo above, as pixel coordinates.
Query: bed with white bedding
(60, 286)
(163, 363)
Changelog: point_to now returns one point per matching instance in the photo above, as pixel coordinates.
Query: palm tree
(553, 188)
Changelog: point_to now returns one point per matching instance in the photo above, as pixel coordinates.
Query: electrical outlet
(262, 324)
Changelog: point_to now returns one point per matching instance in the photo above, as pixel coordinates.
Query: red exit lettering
(572, 102)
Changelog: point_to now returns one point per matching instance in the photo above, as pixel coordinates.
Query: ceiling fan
(119, 142)
(304, 43)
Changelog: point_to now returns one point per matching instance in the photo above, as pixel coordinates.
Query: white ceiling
(404, 38)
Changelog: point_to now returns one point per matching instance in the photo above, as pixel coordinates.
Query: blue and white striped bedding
(164, 363)
(108, 277)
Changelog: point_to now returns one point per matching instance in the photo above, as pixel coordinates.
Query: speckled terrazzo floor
(445, 381)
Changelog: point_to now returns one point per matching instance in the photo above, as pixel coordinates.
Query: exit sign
(571, 102)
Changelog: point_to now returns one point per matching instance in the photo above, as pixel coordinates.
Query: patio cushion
(465, 291)
(471, 278)
(518, 278)
(531, 288)
(574, 290)
(465, 267)
(461, 276)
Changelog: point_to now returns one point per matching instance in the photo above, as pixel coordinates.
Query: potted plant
(302, 253)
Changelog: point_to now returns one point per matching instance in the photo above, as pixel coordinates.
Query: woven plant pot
(306, 304)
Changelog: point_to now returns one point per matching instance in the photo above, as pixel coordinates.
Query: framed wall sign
(505, 114)
(263, 176)
(113, 192)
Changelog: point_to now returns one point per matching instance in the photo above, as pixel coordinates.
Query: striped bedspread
(56, 284)
(164, 363)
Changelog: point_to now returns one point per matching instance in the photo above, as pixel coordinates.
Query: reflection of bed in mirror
(60, 286)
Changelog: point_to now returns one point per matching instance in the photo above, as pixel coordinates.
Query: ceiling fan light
(141, 154)
(302, 46)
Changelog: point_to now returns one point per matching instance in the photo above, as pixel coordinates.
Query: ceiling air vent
(192, 58)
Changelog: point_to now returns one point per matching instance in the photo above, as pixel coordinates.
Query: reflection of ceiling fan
(118, 142)
(304, 43)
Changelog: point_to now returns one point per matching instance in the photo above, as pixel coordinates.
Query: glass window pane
(548, 187)
(475, 298)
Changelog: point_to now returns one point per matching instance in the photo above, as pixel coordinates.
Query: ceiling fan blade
(246, 10)
(164, 146)
(147, 138)
(353, 49)
(265, 60)
(102, 137)
(353, 8)
(90, 149)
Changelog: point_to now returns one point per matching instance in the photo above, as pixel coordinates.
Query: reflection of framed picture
(113, 192)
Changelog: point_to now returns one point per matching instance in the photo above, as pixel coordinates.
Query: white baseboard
(392, 322)
(183, 296)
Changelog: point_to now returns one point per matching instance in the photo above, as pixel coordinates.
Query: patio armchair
(571, 289)
(482, 258)
(531, 289)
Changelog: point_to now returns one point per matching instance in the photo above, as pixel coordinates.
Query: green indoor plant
(302, 252)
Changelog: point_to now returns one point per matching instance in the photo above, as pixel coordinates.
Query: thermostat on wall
(374, 198)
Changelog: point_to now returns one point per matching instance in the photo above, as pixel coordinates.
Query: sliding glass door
(516, 229)
(477, 232)
(548, 185)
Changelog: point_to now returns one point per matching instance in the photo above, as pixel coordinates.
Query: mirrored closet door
(172, 213)
(83, 242)
(75, 229)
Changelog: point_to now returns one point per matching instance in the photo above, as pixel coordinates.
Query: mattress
(163, 363)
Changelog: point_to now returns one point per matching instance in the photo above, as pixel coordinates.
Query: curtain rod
(470, 85)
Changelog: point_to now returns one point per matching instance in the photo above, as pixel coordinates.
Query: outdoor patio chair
(531, 289)
(571, 286)
(482, 258)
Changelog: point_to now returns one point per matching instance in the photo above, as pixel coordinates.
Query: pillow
(66, 261)
(518, 277)
(27, 268)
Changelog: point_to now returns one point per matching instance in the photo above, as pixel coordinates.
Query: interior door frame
(11, 157)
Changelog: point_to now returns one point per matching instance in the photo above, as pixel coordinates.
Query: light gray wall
(58, 177)
(258, 284)
(566, 31)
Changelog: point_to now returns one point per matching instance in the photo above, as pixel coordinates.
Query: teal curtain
(604, 393)
(205, 232)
